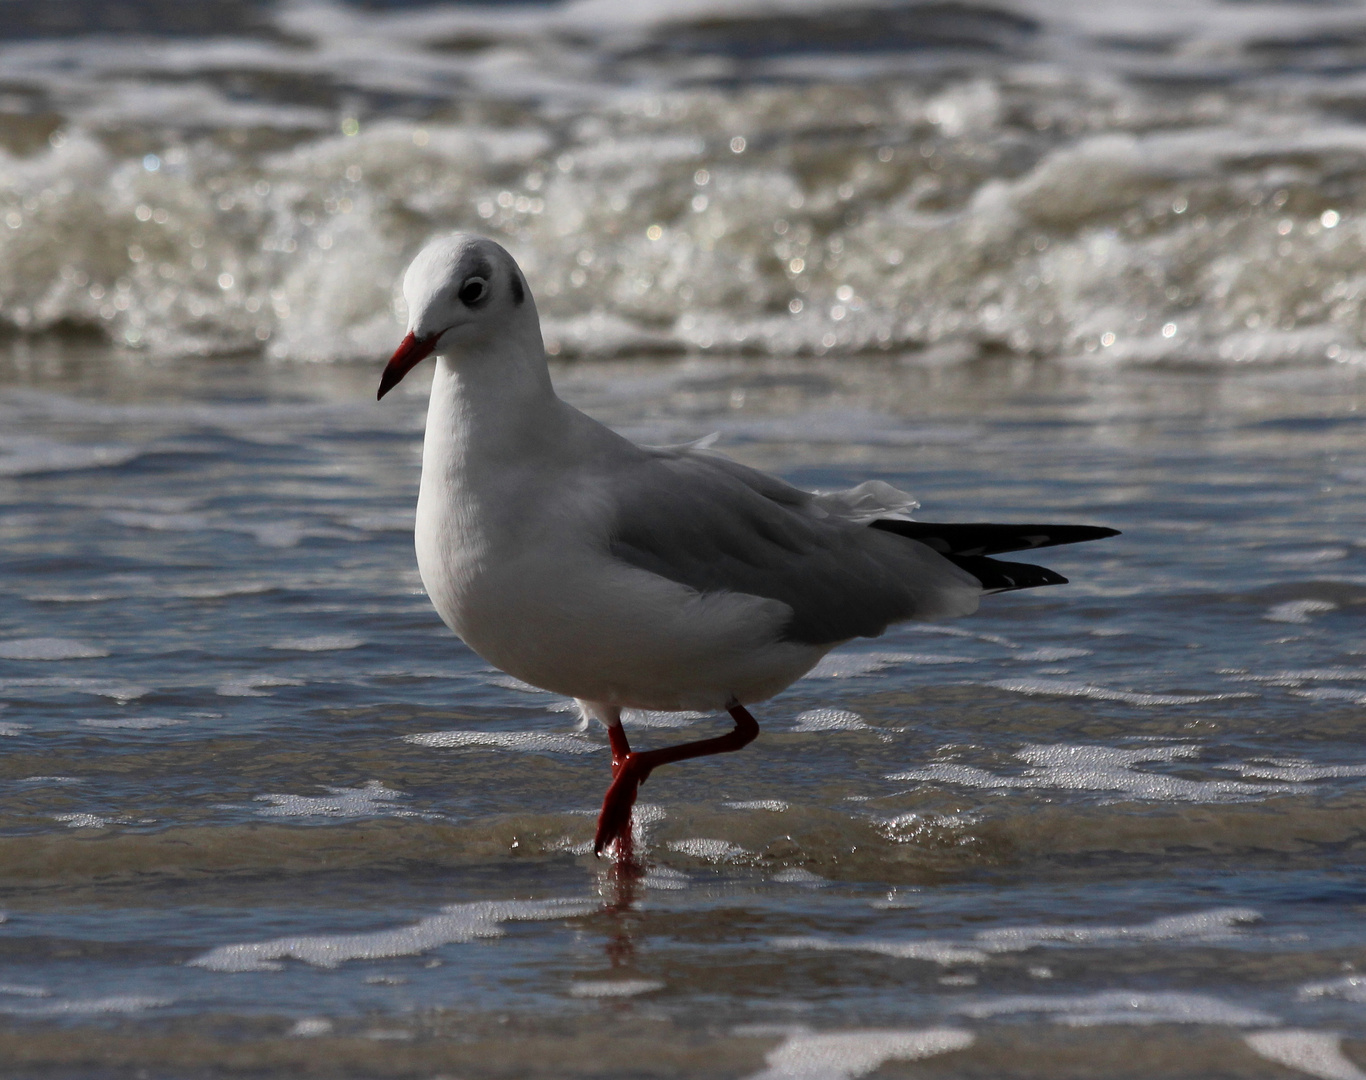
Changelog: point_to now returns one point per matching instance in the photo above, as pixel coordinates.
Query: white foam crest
(49, 648)
(1050, 654)
(525, 741)
(1332, 693)
(131, 723)
(828, 719)
(844, 1055)
(320, 643)
(1097, 768)
(121, 692)
(33, 456)
(1294, 772)
(310, 1027)
(1311, 556)
(651, 718)
(944, 953)
(222, 589)
(614, 988)
(852, 665)
(511, 682)
(251, 685)
(1217, 925)
(1059, 257)
(1068, 688)
(154, 521)
(1127, 1007)
(710, 850)
(776, 806)
(117, 1004)
(796, 875)
(1298, 676)
(1298, 611)
(371, 799)
(16, 990)
(1347, 988)
(83, 821)
(957, 631)
(1318, 1053)
(454, 924)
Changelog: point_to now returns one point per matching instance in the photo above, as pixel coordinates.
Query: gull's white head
(460, 289)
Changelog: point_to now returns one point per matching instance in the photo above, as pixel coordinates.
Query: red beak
(410, 352)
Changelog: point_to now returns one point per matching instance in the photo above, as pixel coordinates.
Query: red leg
(621, 749)
(633, 769)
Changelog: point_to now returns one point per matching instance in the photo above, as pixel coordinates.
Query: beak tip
(410, 351)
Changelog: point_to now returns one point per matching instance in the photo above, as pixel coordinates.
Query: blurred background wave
(1166, 181)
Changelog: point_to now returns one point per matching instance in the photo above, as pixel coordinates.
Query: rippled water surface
(261, 814)
(259, 807)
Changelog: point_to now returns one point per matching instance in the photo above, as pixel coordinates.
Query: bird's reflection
(619, 885)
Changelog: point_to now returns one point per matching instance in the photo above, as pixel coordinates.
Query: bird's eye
(473, 291)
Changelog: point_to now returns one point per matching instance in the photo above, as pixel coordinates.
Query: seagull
(647, 577)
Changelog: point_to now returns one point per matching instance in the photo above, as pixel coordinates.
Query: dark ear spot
(518, 292)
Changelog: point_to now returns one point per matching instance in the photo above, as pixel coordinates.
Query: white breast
(513, 551)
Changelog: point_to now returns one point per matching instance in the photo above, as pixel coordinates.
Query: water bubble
(1329, 219)
(738, 144)
(701, 177)
(151, 162)
(225, 281)
(797, 265)
(885, 154)
(1169, 330)
(420, 138)
(143, 212)
(794, 306)
(1107, 339)
(654, 232)
(350, 126)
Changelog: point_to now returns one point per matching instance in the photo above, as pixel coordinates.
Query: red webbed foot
(614, 820)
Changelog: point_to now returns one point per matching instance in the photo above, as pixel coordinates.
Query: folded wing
(714, 525)
(705, 521)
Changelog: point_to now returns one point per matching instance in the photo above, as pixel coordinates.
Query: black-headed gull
(628, 576)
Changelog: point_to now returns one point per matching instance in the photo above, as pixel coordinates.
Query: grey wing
(714, 525)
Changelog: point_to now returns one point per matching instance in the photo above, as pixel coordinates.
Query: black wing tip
(979, 538)
(997, 575)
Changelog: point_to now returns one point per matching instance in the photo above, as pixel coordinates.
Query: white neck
(492, 403)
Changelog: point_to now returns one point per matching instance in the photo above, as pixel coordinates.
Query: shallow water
(261, 811)
(261, 814)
